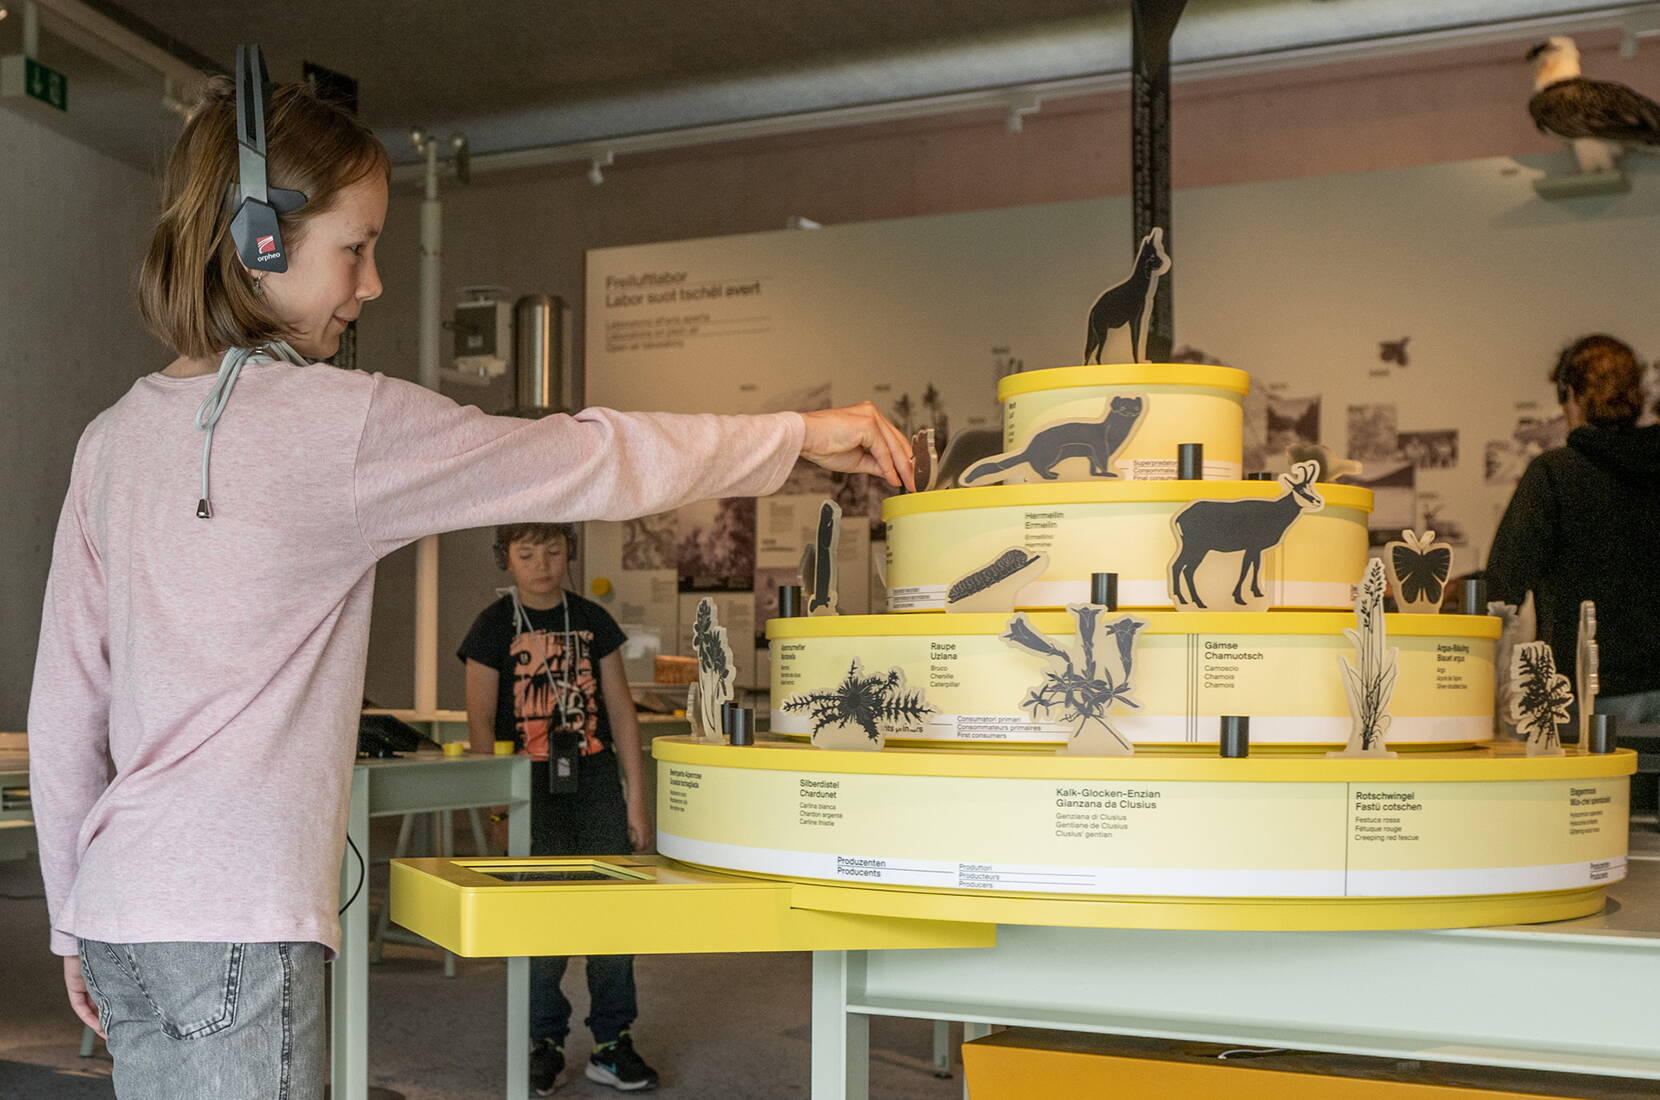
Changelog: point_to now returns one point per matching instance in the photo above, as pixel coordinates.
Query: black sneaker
(547, 1062)
(617, 1065)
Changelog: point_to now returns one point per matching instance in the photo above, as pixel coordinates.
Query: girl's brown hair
(1604, 374)
(193, 291)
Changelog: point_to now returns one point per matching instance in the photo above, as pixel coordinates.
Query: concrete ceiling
(443, 63)
(529, 74)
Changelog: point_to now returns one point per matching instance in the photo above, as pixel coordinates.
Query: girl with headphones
(193, 721)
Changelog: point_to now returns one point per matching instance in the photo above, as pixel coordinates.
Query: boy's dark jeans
(591, 821)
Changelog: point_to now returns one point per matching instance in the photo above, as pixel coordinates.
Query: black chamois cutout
(1251, 526)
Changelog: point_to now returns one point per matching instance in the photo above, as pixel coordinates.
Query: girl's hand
(79, 999)
(859, 440)
(640, 833)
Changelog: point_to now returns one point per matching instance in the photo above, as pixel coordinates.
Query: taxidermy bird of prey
(1598, 118)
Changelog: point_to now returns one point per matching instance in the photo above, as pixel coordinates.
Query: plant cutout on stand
(1080, 687)
(1418, 570)
(716, 671)
(818, 561)
(1370, 681)
(862, 712)
(1247, 527)
(925, 459)
(1542, 700)
(1504, 650)
(1096, 441)
(1587, 664)
(1129, 302)
(996, 587)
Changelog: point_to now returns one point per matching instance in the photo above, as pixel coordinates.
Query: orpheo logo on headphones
(266, 244)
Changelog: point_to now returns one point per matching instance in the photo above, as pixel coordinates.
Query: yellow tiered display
(970, 815)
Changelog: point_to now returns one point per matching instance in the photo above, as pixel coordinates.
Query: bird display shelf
(1600, 120)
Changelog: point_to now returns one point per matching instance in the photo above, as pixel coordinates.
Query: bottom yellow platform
(1025, 1064)
(1485, 836)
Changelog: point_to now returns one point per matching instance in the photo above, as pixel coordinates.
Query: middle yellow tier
(1280, 669)
(1127, 527)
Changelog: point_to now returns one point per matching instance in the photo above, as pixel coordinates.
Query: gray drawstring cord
(208, 412)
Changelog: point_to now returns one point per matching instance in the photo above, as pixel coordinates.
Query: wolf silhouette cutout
(1130, 302)
(1096, 440)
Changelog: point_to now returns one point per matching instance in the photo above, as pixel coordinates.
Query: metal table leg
(942, 1049)
(349, 975)
(841, 1039)
(518, 969)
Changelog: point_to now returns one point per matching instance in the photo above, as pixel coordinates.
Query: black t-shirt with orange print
(550, 675)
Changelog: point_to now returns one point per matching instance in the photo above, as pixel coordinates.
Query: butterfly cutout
(1418, 570)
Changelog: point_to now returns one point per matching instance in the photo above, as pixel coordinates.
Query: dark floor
(732, 1027)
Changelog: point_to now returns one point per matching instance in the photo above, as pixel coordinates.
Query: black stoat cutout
(1129, 302)
(1094, 440)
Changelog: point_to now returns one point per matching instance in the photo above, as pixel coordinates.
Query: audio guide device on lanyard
(254, 207)
(570, 712)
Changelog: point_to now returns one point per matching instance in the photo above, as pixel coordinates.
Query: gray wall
(73, 226)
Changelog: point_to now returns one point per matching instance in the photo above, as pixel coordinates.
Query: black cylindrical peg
(1604, 736)
(743, 726)
(1190, 461)
(1235, 742)
(1103, 590)
(1475, 596)
(789, 601)
(726, 710)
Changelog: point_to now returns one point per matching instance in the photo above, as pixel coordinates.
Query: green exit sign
(46, 84)
(25, 78)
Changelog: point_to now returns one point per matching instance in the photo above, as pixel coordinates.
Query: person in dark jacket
(1584, 524)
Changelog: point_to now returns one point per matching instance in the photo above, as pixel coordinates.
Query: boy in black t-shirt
(544, 669)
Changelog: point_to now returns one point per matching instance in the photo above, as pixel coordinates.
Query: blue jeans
(211, 1021)
(589, 821)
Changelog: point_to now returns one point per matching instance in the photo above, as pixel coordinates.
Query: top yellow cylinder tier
(1181, 403)
(1122, 527)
